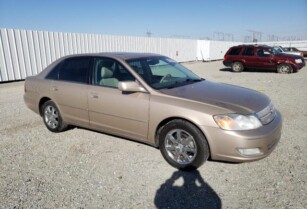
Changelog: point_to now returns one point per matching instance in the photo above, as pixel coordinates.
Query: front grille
(267, 114)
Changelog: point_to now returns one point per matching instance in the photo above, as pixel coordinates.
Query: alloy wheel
(51, 116)
(180, 146)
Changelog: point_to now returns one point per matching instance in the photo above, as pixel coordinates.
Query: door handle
(94, 95)
(54, 88)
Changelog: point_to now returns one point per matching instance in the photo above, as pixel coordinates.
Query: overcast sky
(212, 19)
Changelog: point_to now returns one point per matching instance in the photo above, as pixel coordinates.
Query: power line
(221, 36)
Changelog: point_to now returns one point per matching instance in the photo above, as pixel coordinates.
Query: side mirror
(130, 86)
(267, 54)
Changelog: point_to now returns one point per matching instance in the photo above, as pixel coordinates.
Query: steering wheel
(165, 78)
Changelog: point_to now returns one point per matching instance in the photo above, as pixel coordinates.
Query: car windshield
(163, 72)
(274, 50)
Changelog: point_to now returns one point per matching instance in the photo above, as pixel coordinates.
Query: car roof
(252, 45)
(118, 55)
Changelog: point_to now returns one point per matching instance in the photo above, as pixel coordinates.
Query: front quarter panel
(165, 107)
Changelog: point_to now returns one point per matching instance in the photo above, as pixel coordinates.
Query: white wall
(213, 50)
(203, 50)
(219, 48)
(25, 52)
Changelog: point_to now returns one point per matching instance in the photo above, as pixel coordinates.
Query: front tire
(52, 117)
(237, 67)
(284, 69)
(183, 145)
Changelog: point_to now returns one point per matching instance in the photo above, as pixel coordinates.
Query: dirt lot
(85, 169)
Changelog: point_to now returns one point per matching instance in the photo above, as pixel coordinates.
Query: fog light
(249, 151)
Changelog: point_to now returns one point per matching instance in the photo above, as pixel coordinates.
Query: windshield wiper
(184, 82)
(193, 80)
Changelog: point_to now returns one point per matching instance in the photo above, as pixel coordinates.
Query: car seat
(107, 78)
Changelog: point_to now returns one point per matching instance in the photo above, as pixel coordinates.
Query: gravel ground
(85, 169)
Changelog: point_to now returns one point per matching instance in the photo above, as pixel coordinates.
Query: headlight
(298, 61)
(237, 122)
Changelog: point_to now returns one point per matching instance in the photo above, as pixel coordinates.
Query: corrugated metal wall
(203, 50)
(213, 50)
(219, 48)
(26, 52)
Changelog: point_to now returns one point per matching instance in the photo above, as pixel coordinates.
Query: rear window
(248, 51)
(235, 51)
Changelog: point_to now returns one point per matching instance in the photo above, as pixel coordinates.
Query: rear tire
(52, 117)
(284, 69)
(183, 145)
(237, 67)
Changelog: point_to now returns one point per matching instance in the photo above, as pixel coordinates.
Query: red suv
(261, 57)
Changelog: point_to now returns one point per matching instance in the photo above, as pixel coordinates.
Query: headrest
(106, 73)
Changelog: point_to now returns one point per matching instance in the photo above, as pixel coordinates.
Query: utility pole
(220, 36)
(272, 37)
(148, 33)
(248, 39)
(256, 35)
(229, 36)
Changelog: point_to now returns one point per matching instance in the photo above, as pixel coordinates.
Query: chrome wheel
(180, 146)
(51, 116)
(237, 67)
(284, 69)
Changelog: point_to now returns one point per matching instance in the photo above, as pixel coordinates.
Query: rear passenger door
(69, 91)
(249, 58)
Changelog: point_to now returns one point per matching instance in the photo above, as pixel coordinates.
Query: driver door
(112, 110)
(264, 59)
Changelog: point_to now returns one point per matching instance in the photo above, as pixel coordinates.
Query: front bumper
(299, 66)
(224, 144)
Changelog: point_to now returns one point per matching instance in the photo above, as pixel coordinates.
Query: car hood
(284, 55)
(233, 98)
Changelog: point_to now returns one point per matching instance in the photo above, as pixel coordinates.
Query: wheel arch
(167, 120)
(286, 62)
(42, 101)
(241, 61)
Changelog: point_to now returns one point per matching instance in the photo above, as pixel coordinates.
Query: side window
(263, 53)
(248, 51)
(141, 68)
(75, 70)
(54, 73)
(108, 72)
(235, 51)
(137, 67)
